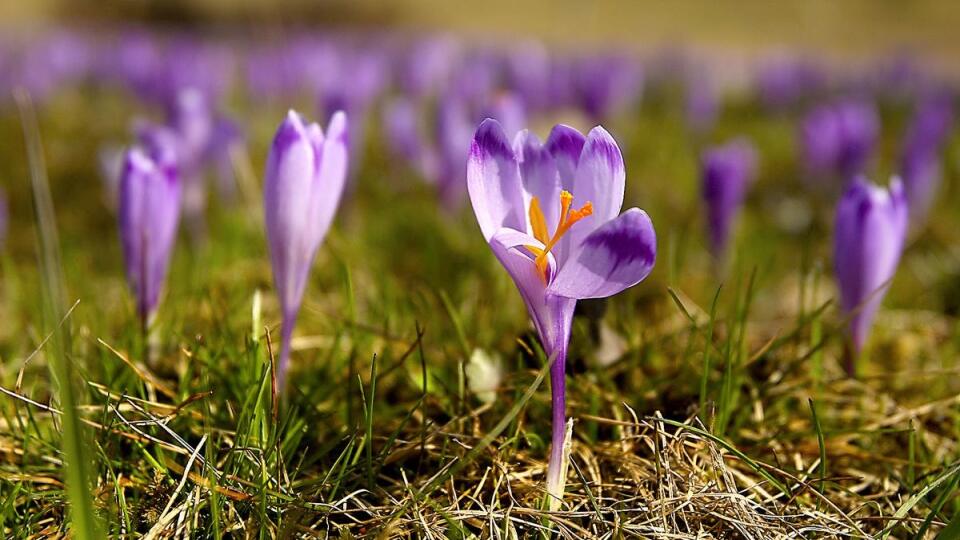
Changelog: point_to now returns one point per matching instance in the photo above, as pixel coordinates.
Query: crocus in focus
(305, 175)
(148, 208)
(551, 214)
(727, 172)
(870, 230)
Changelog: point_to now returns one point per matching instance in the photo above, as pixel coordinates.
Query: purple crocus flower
(609, 84)
(870, 231)
(405, 138)
(920, 161)
(727, 172)
(508, 109)
(454, 129)
(149, 211)
(838, 138)
(523, 196)
(305, 175)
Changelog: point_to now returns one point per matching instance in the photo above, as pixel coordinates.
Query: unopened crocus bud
(484, 372)
(727, 172)
(148, 207)
(838, 139)
(305, 174)
(870, 230)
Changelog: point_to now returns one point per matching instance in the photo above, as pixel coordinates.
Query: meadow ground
(721, 411)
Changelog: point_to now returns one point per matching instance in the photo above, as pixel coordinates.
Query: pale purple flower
(920, 159)
(454, 131)
(305, 175)
(838, 138)
(784, 82)
(148, 211)
(508, 109)
(702, 100)
(608, 84)
(727, 172)
(870, 230)
(405, 137)
(551, 214)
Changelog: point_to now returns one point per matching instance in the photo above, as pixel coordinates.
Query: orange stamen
(539, 225)
(537, 222)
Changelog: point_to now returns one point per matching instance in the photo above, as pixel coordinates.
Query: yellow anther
(539, 225)
(537, 222)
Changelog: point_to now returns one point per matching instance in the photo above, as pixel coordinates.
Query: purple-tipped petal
(493, 181)
(148, 211)
(616, 256)
(288, 188)
(305, 175)
(870, 230)
(539, 173)
(331, 177)
(600, 180)
(565, 144)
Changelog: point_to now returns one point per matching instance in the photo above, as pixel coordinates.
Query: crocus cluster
(551, 215)
(305, 174)
(837, 139)
(870, 229)
(727, 172)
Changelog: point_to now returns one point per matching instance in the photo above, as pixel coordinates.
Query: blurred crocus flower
(427, 65)
(406, 139)
(149, 211)
(191, 117)
(305, 175)
(508, 109)
(608, 84)
(484, 372)
(838, 138)
(454, 130)
(920, 158)
(727, 172)
(870, 230)
(225, 141)
(784, 82)
(524, 198)
(702, 100)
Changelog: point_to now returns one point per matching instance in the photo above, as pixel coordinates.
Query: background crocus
(838, 139)
(870, 230)
(149, 212)
(305, 175)
(727, 172)
(551, 214)
(922, 147)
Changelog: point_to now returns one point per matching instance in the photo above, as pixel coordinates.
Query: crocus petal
(599, 179)
(290, 174)
(618, 255)
(870, 230)
(565, 144)
(509, 246)
(539, 173)
(493, 181)
(330, 179)
(148, 211)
